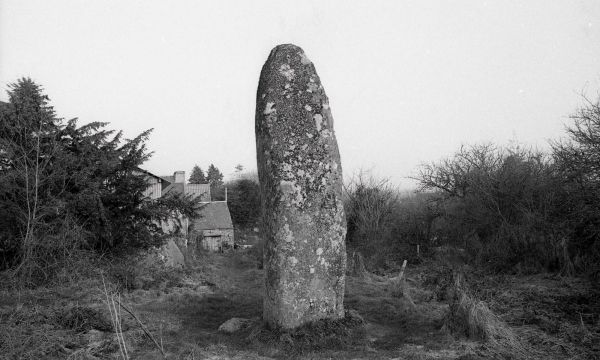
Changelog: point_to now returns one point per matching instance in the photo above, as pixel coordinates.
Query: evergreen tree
(214, 176)
(197, 176)
(54, 173)
(27, 148)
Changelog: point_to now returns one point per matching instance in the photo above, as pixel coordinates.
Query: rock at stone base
(234, 324)
(171, 255)
(354, 317)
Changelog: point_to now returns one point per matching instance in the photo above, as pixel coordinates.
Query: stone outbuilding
(214, 228)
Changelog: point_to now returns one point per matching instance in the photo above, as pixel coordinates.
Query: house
(213, 229)
(156, 184)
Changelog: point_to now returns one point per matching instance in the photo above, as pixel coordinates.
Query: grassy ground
(551, 317)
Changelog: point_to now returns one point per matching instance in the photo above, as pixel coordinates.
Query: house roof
(214, 215)
(195, 190)
(150, 174)
(169, 178)
(202, 190)
(174, 188)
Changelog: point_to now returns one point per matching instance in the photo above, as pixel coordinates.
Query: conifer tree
(54, 173)
(214, 176)
(197, 176)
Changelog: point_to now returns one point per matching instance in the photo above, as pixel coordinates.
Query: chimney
(179, 177)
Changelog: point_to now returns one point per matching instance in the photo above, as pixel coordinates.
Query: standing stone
(301, 184)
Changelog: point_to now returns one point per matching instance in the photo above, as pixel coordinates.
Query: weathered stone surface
(301, 184)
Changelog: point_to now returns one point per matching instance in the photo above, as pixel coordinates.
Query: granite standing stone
(301, 184)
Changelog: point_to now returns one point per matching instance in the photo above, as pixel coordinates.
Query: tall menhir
(301, 184)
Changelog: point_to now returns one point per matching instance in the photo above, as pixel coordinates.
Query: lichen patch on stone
(287, 71)
(311, 87)
(269, 108)
(318, 121)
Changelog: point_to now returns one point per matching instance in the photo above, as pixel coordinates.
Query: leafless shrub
(577, 160)
(498, 203)
(370, 206)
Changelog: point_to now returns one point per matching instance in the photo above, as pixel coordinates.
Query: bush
(384, 225)
(244, 202)
(513, 208)
(578, 166)
(414, 226)
(371, 212)
(497, 203)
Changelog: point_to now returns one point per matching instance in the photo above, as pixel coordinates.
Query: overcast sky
(408, 81)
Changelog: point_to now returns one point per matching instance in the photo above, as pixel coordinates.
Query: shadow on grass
(203, 316)
(393, 322)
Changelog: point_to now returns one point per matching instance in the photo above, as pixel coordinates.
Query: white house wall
(154, 189)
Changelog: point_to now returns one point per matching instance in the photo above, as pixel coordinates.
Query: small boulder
(234, 324)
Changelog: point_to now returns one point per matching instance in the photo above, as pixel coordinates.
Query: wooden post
(400, 289)
(402, 271)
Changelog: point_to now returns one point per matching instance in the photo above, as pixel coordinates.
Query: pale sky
(408, 81)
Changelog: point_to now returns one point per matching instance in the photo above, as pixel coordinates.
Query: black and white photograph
(336, 179)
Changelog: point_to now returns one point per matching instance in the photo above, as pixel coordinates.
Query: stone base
(323, 334)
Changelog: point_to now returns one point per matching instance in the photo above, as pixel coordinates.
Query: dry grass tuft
(473, 318)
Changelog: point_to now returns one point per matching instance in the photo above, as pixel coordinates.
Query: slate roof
(150, 174)
(173, 188)
(214, 215)
(202, 190)
(169, 178)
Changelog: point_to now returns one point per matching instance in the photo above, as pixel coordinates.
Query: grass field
(542, 316)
